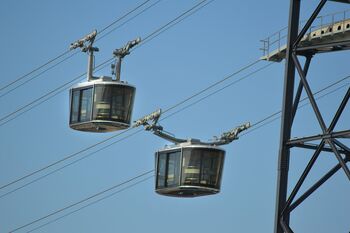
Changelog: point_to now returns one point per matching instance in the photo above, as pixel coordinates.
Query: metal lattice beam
(328, 138)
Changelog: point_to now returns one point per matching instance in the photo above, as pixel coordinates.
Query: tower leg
(286, 123)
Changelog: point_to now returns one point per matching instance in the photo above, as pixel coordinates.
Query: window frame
(125, 91)
(218, 172)
(177, 168)
(80, 91)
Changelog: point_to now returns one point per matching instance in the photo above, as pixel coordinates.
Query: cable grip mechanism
(231, 135)
(82, 43)
(85, 44)
(154, 117)
(120, 54)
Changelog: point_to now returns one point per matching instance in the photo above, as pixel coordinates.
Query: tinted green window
(75, 106)
(162, 157)
(113, 103)
(191, 167)
(86, 105)
(168, 169)
(102, 106)
(202, 166)
(173, 170)
(81, 105)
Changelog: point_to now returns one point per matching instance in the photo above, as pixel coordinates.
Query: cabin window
(173, 170)
(75, 106)
(86, 102)
(168, 169)
(113, 103)
(102, 104)
(162, 157)
(202, 167)
(81, 105)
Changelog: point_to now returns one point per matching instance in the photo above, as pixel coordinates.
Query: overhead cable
(92, 203)
(83, 200)
(174, 106)
(113, 187)
(31, 105)
(5, 119)
(68, 51)
(123, 132)
(116, 186)
(275, 116)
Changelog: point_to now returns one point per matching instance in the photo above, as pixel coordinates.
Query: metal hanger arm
(157, 129)
(224, 139)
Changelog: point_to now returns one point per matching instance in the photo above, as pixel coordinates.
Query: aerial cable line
(177, 18)
(212, 85)
(71, 163)
(219, 90)
(301, 106)
(48, 94)
(64, 159)
(118, 185)
(191, 104)
(122, 17)
(165, 28)
(70, 82)
(36, 69)
(302, 100)
(185, 100)
(174, 106)
(124, 182)
(37, 75)
(88, 155)
(100, 37)
(84, 200)
(269, 120)
(273, 117)
(68, 51)
(273, 114)
(92, 203)
(103, 141)
(116, 135)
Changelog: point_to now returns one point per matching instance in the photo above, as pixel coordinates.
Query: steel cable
(116, 186)
(68, 51)
(83, 200)
(83, 150)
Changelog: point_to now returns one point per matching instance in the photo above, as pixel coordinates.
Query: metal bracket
(85, 44)
(224, 139)
(120, 54)
(154, 116)
(81, 43)
(229, 136)
(155, 128)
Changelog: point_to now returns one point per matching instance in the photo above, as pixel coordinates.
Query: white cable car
(189, 168)
(101, 104)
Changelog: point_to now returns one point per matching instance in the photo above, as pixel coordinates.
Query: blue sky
(214, 42)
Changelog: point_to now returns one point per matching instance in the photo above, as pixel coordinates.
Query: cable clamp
(231, 135)
(81, 43)
(122, 52)
(154, 117)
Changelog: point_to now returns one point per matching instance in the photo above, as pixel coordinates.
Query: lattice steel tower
(307, 42)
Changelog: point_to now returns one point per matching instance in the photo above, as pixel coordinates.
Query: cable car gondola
(189, 168)
(101, 104)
